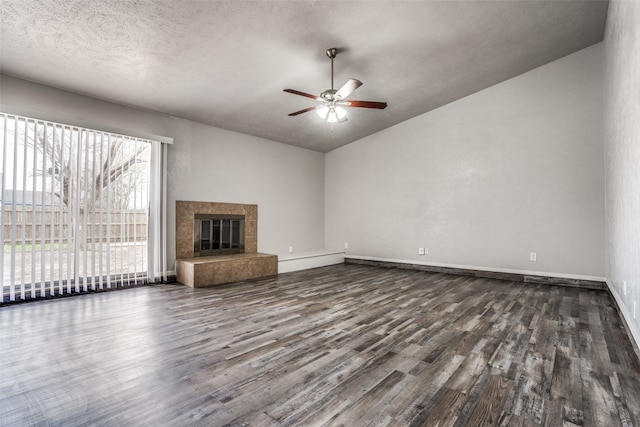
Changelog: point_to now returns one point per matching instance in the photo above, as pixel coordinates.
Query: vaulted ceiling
(226, 63)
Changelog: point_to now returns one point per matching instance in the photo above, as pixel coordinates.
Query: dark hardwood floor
(343, 345)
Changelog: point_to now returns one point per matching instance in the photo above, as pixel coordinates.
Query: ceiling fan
(333, 100)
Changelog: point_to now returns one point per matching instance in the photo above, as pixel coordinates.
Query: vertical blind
(77, 207)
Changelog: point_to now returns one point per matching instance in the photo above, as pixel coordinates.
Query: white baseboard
(628, 317)
(475, 267)
(306, 260)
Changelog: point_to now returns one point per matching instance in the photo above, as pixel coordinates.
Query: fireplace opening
(218, 234)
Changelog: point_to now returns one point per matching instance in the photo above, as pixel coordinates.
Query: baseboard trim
(624, 314)
(288, 263)
(587, 282)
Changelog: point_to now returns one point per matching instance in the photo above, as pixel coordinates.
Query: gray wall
(208, 164)
(485, 180)
(622, 157)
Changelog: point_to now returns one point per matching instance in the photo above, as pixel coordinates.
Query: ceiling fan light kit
(333, 100)
(332, 114)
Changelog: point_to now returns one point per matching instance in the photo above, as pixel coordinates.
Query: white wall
(485, 180)
(622, 157)
(209, 164)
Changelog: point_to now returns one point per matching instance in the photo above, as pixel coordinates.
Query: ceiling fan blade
(297, 92)
(365, 104)
(348, 88)
(306, 110)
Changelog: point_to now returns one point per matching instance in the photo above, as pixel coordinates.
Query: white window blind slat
(41, 230)
(135, 181)
(108, 240)
(12, 295)
(2, 187)
(101, 218)
(50, 221)
(70, 135)
(23, 234)
(60, 226)
(34, 219)
(84, 213)
(123, 220)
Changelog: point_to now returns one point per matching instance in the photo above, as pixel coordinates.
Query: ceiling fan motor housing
(329, 95)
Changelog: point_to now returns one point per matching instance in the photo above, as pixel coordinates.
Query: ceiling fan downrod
(331, 53)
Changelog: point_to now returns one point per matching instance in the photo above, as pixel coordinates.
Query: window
(77, 207)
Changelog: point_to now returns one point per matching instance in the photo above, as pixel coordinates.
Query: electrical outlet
(624, 287)
(290, 249)
(533, 256)
(346, 245)
(420, 251)
(426, 251)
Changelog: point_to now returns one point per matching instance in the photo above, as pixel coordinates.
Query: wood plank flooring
(344, 345)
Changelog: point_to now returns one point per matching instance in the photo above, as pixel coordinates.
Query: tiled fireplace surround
(216, 270)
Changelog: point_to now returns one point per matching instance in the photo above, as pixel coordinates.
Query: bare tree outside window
(118, 167)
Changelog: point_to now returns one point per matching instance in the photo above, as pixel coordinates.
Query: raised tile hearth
(217, 270)
(220, 269)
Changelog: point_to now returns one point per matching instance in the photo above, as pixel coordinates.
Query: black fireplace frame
(229, 238)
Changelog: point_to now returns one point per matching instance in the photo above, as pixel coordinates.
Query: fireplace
(229, 232)
(215, 234)
(241, 221)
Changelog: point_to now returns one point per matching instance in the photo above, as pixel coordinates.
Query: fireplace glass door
(218, 234)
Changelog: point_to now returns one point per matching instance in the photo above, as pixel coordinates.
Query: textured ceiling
(225, 63)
